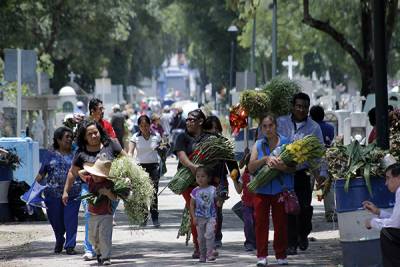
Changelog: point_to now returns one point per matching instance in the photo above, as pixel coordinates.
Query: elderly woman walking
(53, 172)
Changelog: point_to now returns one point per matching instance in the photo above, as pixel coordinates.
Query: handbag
(289, 199)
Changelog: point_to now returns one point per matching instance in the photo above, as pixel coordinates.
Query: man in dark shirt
(317, 114)
(118, 124)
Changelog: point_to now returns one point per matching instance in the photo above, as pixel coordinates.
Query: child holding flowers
(203, 211)
(101, 219)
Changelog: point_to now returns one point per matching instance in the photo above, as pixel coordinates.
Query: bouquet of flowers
(208, 152)
(307, 149)
(132, 185)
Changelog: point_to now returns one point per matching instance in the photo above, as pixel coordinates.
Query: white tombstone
(290, 64)
(341, 115)
(356, 127)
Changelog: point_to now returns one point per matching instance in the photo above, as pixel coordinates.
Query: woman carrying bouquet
(146, 142)
(267, 196)
(213, 126)
(63, 219)
(93, 143)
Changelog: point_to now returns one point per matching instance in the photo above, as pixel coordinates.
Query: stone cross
(290, 64)
(71, 76)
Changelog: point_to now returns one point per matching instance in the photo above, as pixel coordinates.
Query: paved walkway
(31, 244)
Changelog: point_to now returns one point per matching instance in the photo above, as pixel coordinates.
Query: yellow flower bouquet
(307, 149)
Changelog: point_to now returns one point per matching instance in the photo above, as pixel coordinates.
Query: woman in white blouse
(388, 223)
(146, 143)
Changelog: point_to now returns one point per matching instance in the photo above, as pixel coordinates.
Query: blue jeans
(63, 219)
(86, 244)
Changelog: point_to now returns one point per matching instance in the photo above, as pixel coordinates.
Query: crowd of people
(79, 163)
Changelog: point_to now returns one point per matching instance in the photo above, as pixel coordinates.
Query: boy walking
(101, 219)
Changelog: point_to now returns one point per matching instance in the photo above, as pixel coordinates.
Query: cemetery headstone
(290, 64)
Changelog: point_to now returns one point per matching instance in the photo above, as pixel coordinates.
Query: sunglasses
(191, 119)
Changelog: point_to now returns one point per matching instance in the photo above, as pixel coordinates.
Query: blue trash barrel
(6, 175)
(28, 151)
(360, 246)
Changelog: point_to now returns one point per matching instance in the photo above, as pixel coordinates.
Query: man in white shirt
(388, 223)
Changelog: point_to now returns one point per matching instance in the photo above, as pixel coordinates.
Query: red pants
(187, 197)
(262, 206)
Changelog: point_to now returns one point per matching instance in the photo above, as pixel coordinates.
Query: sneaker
(303, 243)
(211, 258)
(98, 257)
(70, 251)
(215, 253)
(291, 251)
(88, 256)
(202, 259)
(196, 254)
(262, 262)
(106, 262)
(283, 262)
(58, 248)
(249, 247)
(156, 224)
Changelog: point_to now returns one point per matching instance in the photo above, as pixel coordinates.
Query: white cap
(79, 104)
(116, 106)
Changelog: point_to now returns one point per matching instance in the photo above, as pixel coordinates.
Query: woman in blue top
(53, 172)
(266, 197)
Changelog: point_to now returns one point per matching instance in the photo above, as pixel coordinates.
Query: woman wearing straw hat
(101, 219)
(92, 142)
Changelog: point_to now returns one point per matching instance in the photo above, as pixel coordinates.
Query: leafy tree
(341, 51)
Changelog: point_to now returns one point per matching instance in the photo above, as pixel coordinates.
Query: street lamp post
(274, 36)
(380, 74)
(233, 32)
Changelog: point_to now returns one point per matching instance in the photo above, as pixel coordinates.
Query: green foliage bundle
(274, 98)
(280, 93)
(209, 152)
(255, 102)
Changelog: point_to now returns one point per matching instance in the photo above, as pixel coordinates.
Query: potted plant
(9, 161)
(357, 173)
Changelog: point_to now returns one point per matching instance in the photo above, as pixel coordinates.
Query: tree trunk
(367, 80)
(366, 71)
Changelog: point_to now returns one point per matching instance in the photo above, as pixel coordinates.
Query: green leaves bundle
(275, 97)
(281, 91)
(184, 228)
(208, 152)
(255, 102)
